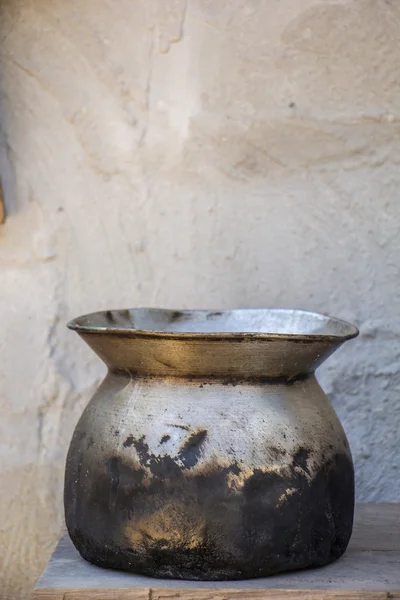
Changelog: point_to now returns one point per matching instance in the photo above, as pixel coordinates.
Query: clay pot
(210, 451)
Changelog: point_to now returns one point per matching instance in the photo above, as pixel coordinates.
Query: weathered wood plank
(123, 594)
(92, 594)
(376, 529)
(267, 595)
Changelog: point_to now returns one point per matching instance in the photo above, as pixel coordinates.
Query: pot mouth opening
(216, 324)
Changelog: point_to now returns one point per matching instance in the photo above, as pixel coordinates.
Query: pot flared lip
(121, 322)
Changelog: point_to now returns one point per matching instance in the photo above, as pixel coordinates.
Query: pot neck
(242, 357)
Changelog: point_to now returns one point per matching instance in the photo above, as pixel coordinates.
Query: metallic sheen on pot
(210, 451)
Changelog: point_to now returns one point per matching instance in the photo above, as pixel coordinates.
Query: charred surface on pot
(110, 317)
(128, 442)
(190, 452)
(176, 315)
(159, 516)
(259, 380)
(184, 427)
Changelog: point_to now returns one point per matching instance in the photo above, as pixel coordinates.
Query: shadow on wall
(8, 117)
(2, 208)
(7, 172)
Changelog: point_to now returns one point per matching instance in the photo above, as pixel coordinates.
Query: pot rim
(83, 325)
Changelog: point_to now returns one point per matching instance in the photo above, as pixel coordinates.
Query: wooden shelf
(370, 569)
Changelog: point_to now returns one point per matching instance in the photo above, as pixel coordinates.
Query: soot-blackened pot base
(266, 528)
(182, 467)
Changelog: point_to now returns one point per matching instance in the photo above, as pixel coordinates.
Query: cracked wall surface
(190, 153)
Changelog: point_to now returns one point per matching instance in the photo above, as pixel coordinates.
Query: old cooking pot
(210, 451)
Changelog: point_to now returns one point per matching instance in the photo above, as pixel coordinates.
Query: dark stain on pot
(184, 427)
(110, 317)
(159, 466)
(113, 472)
(129, 441)
(259, 380)
(274, 521)
(300, 459)
(176, 315)
(165, 438)
(275, 452)
(232, 382)
(190, 452)
(284, 379)
(213, 315)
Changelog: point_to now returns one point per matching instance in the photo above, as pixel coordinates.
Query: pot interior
(264, 322)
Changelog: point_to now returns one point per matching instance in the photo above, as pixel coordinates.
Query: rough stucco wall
(191, 154)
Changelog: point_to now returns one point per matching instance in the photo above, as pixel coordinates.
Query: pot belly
(209, 481)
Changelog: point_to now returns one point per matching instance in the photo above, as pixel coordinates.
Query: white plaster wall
(191, 154)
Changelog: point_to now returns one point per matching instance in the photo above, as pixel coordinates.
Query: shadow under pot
(210, 452)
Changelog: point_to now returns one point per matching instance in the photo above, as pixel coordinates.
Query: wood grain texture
(92, 594)
(269, 595)
(370, 569)
(376, 533)
(150, 594)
